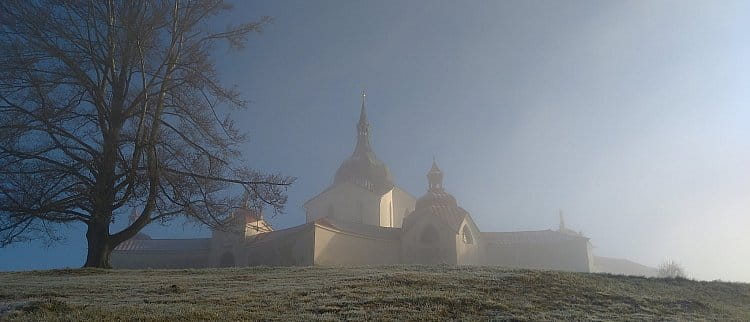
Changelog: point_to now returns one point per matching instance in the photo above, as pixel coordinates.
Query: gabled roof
(336, 185)
(194, 244)
(529, 237)
(333, 186)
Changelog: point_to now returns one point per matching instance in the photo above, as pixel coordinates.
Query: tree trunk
(100, 249)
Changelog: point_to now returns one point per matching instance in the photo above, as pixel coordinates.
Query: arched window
(429, 235)
(466, 235)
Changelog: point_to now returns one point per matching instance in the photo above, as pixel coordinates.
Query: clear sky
(633, 117)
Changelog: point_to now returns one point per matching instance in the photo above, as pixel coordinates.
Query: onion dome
(436, 195)
(437, 202)
(364, 168)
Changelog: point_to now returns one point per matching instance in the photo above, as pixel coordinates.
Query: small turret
(434, 177)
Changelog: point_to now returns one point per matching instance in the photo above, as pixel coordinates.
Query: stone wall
(573, 255)
(334, 247)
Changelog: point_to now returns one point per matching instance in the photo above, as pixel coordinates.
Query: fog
(630, 117)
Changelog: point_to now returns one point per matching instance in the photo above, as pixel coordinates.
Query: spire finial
(363, 130)
(363, 111)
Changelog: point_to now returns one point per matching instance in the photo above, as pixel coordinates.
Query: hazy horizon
(631, 117)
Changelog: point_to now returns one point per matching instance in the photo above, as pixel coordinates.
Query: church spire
(363, 130)
(363, 167)
(363, 123)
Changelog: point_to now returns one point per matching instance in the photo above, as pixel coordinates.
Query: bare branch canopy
(106, 106)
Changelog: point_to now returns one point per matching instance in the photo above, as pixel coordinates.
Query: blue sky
(630, 116)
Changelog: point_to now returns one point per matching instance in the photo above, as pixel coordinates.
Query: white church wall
(338, 248)
(386, 210)
(347, 202)
(571, 255)
(403, 204)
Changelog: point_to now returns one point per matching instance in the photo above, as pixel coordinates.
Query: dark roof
(379, 232)
(528, 237)
(164, 244)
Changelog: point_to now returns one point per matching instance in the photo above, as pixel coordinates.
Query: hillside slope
(402, 292)
(622, 266)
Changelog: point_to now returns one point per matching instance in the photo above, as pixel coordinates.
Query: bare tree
(109, 105)
(671, 269)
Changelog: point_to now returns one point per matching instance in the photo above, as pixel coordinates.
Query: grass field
(391, 293)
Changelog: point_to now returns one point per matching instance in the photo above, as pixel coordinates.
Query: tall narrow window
(466, 235)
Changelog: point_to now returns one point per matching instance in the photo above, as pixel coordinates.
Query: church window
(466, 235)
(429, 235)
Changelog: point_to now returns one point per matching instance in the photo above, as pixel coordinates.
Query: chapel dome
(436, 196)
(436, 203)
(436, 199)
(367, 171)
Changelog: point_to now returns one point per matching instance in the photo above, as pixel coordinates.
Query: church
(364, 218)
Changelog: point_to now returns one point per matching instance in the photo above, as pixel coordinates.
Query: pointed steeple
(435, 177)
(363, 131)
(363, 167)
(363, 126)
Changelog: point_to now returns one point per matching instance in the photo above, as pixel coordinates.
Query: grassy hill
(402, 292)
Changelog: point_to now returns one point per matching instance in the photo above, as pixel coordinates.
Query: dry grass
(387, 293)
